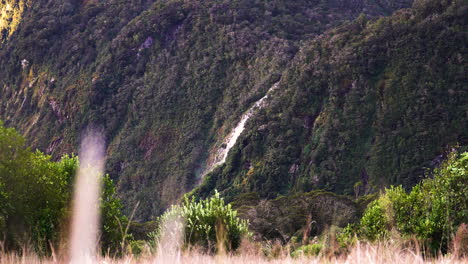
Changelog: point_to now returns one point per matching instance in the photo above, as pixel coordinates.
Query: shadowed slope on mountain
(365, 105)
(168, 80)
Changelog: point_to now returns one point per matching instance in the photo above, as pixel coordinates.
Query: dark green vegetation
(34, 192)
(35, 201)
(296, 217)
(168, 79)
(433, 210)
(35, 207)
(210, 224)
(35, 198)
(363, 102)
(365, 105)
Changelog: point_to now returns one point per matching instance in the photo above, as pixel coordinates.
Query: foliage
(372, 101)
(432, 211)
(166, 80)
(308, 250)
(295, 216)
(208, 223)
(35, 192)
(114, 223)
(10, 17)
(137, 247)
(347, 236)
(374, 222)
(35, 196)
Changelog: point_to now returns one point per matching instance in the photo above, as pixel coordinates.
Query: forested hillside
(371, 103)
(363, 100)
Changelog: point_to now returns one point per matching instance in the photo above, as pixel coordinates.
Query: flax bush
(210, 224)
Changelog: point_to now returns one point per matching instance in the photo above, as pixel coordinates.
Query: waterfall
(220, 155)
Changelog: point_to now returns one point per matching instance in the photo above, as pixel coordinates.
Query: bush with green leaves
(34, 192)
(206, 223)
(136, 247)
(375, 221)
(113, 222)
(35, 197)
(432, 211)
(346, 237)
(308, 250)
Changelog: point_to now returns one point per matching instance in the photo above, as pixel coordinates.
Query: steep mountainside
(166, 81)
(365, 105)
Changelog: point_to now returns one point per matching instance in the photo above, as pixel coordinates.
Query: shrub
(443, 202)
(136, 247)
(373, 222)
(432, 211)
(307, 250)
(208, 223)
(35, 194)
(347, 237)
(113, 222)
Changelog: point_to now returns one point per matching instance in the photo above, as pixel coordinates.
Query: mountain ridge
(167, 80)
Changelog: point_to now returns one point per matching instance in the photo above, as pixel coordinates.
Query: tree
(35, 197)
(34, 190)
(433, 210)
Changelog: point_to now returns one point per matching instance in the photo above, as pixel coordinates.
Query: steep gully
(218, 157)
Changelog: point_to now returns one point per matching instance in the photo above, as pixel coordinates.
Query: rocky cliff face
(167, 80)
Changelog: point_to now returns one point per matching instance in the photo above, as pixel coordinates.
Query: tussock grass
(361, 253)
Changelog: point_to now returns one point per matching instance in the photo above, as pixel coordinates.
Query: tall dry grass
(361, 253)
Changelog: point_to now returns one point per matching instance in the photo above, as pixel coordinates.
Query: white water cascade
(219, 156)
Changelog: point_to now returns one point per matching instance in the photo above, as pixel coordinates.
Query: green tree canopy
(432, 211)
(35, 197)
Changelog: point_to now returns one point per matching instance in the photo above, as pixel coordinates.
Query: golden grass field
(361, 254)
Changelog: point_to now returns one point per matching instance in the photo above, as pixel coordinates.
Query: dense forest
(35, 213)
(370, 94)
(165, 80)
(371, 103)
